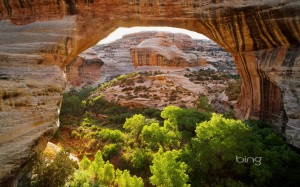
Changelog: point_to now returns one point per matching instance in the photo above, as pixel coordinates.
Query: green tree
(203, 104)
(167, 171)
(53, 173)
(141, 159)
(213, 152)
(84, 163)
(81, 179)
(216, 145)
(135, 125)
(95, 168)
(108, 174)
(176, 118)
(98, 173)
(155, 136)
(170, 115)
(123, 179)
(110, 150)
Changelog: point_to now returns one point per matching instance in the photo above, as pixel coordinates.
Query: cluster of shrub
(209, 74)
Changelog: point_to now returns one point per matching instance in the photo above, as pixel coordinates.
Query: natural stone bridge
(38, 38)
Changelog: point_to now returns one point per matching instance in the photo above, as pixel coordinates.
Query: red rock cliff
(161, 51)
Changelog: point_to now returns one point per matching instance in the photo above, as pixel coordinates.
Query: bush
(52, 173)
(124, 179)
(75, 134)
(88, 122)
(113, 136)
(141, 159)
(167, 171)
(203, 104)
(120, 118)
(183, 119)
(73, 101)
(110, 150)
(153, 113)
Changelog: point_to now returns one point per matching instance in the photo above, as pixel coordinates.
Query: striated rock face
(84, 69)
(117, 59)
(161, 51)
(39, 38)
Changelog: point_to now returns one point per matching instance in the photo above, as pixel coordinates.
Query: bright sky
(118, 33)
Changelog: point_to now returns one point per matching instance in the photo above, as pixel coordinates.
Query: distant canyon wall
(39, 38)
(161, 51)
(117, 58)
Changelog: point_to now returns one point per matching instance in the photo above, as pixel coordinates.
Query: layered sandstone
(84, 70)
(39, 38)
(161, 51)
(117, 59)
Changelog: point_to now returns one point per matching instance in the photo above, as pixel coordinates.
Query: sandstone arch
(39, 38)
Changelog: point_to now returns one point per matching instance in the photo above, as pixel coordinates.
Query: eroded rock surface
(37, 37)
(161, 51)
(84, 69)
(117, 59)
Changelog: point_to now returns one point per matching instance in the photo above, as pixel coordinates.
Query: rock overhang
(259, 34)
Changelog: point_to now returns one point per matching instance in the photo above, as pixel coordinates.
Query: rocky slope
(39, 38)
(158, 89)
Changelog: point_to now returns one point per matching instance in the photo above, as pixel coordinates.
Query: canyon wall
(161, 51)
(85, 69)
(117, 59)
(38, 38)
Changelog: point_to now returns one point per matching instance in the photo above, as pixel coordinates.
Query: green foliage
(141, 159)
(206, 145)
(123, 179)
(110, 150)
(85, 163)
(53, 173)
(153, 113)
(113, 136)
(108, 174)
(156, 136)
(89, 173)
(211, 157)
(96, 166)
(88, 122)
(71, 104)
(220, 140)
(74, 101)
(135, 125)
(98, 103)
(100, 173)
(81, 179)
(76, 134)
(203, 104)
(117, 80)
(281, 165)
(167, 171)
(120, 118)
(182, 119)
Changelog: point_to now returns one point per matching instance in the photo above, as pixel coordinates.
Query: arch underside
(38, 39)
